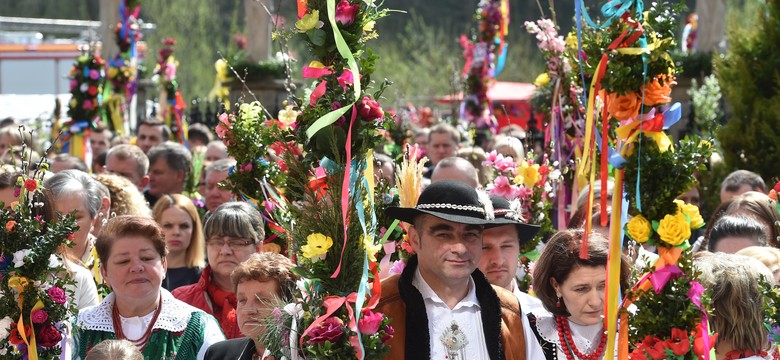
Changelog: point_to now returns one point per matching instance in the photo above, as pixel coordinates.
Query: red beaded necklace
(145, 337)
(568, 345)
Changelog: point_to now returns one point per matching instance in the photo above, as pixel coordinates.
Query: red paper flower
(329, 330)
(345, 12)
(370, 110)
(39, 316)
(57, 295)
(15, 337)
(654, 347)
(48, 336)
(30, 184)
(679, 343)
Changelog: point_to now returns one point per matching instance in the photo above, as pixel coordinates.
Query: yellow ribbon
(613, 266)
(19, 283)
(630, 132)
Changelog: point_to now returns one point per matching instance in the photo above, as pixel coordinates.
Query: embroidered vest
(162, 344)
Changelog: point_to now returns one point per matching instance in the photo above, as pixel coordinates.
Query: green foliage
(258, 71)
(706, 104)
(749, 75)
(664, 175)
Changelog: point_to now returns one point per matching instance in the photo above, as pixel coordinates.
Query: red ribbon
(345, 189)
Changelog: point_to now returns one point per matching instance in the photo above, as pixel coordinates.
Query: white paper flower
(54, 261)
(294, 309)
(555, 175)
(19, 257)
(5, 328)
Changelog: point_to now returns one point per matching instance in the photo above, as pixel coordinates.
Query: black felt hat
(447, 200)
(506, 215)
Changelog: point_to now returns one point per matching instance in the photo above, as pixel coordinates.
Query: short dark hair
(73, 162)
(199, 132)
(235, 218)
(175, 155)
(736, 226)
(444, 128)
(129, 225)
(561, 256)
(740, 178)
(166, 132)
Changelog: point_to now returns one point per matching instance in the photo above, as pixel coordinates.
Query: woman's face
(177, 227)
(583, 294)
(134, 269)
(69, 203)
(225, 253)
(253, 304)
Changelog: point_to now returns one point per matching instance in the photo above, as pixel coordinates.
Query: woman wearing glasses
(233, 232)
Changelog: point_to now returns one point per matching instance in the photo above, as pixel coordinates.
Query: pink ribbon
(660, 277)
(345, 189)
(315, 72)
(318, 92)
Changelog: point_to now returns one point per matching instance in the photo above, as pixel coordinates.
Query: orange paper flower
(10, 225)
(623, 107)
(657, 94)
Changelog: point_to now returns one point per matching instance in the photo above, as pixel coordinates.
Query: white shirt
(528, 304)
(84, 290)
(466, 314)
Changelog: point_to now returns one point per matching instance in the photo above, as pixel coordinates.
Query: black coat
(234, 349)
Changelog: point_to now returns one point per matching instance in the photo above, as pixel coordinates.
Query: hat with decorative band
(448, 200)
(507, 213)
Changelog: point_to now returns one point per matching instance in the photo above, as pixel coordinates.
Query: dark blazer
(233, 349)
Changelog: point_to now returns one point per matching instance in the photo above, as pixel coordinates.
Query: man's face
(726, 195)
(128, 169)
(165, 180)
(448, 252)
(215, 196)
(214, 153)
(149, 137)
(441, 146)
(500, 250)
(100, 142)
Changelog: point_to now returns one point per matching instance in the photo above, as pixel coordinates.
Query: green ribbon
(346, 53)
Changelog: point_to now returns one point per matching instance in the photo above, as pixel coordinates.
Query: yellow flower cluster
(526, 174)
(673, 229)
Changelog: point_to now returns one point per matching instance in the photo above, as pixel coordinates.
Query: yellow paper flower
(695, 218)
(674, 229)
(527, 175)
(272, 247)
(316, 247)
(639, 229)
(308, 21)
(371, 248)
(542, 79)
(369, 26)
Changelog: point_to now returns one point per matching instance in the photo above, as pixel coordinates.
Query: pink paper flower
(246, 167)
(502, 187)
(370, 321)
(39, 316)
(88, 105)
(224, 126)
(329, 330)
(491, 158)
(505, 164)
(345, 12)
(57, 295)
(370, 110)
(398, 267)
(94, 74)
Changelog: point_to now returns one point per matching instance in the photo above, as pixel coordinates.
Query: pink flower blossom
(39, 316)
(505, 164)
(491, 158)
(170, 71)
(370, 321)
(329, 330)
(88, 105)
(94, 74)
(246, 167)
(345, 12)
(398, 267)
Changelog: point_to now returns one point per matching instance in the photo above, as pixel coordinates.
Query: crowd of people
(164, 268)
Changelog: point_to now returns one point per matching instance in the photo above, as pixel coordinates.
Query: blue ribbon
(501, 60)
(614, 157)
(672, 115)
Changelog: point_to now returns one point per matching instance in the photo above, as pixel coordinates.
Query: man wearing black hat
(501, 248)
(442, 306)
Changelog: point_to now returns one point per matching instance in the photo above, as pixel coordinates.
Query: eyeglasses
(233, 243)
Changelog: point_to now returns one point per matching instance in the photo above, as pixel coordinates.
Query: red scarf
(223, 305)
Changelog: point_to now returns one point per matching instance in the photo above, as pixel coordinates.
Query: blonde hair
(125, 197)
(769, 256)
(196, 252)
(114, 349)
(736, 298)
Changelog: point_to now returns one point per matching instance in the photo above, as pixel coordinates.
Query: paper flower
(224, 126)
(623, 107)
(19, 257)
(48, 336)
(369, 322)
(11, 224)
(345, 12)
(371, 248)
(39, 316)
(309, 21)
(503, 188)
(316, 247)
(54, 261)
(329, 330)
(30, 184)
(692, 211)
(287, 116)
(639, 229)
(369, 109)
(657, 93)
(674, 229)
(5, 327)
(57, 295)
(528, 175)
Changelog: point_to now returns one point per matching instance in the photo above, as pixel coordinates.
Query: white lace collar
(174, 316)
(585, 337)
